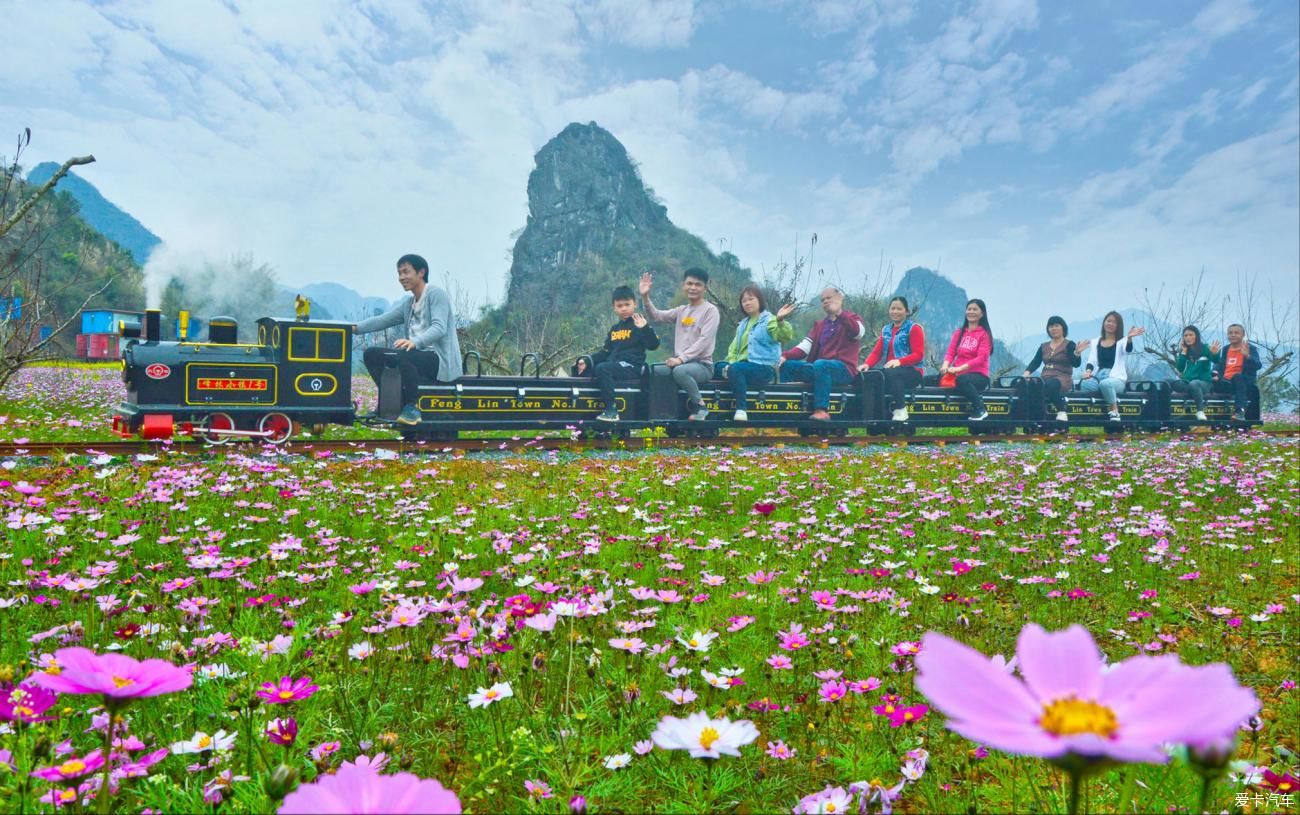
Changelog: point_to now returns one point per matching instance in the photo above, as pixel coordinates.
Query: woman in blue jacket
(756, 348)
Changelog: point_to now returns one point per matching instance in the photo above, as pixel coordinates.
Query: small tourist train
(299, 374)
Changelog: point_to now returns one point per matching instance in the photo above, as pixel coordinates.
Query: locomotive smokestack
(152, 325)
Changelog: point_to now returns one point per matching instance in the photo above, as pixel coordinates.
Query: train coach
(530, 401)
(297, 373)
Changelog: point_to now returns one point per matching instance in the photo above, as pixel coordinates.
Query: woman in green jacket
(1195, 367)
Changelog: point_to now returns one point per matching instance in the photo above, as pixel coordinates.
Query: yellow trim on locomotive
(275, 394)
(334, 385)
(343, 346)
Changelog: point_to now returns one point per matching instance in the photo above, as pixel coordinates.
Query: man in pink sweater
(695, 331)
(828, 355)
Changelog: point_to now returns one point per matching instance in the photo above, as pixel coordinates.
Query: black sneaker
(610, 415)
(1239, 416)
(981, 416)
(409, 415)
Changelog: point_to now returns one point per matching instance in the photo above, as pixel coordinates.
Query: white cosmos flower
(361, 650)
(699, 641)
(486, 696)
(704, 737)
(201, 742)
(617, 762)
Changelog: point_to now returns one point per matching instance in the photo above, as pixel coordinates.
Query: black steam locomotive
(299, 372)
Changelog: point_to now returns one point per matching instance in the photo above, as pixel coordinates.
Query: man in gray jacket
(431, 349)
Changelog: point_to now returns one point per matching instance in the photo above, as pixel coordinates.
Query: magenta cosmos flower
(1067, 704)
(287, 690)
(361, 790)
(118, 678)
(25, 703)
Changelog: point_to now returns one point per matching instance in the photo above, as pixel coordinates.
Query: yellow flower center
(70, 794)
(693, 643)
(1070, 717)
(72, 767)
(708, 736)
(122, 682)
(286, 694)
(54, 669)
(205, 741)
(490, 695)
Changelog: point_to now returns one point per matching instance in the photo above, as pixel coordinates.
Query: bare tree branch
(40, 193)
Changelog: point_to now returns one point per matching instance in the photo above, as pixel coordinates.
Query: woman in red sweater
(968, 358)
(901, 348)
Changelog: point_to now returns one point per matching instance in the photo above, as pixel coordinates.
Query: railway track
(521, 444)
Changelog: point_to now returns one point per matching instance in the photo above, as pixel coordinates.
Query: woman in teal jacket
(1195, 367)
(756, 349)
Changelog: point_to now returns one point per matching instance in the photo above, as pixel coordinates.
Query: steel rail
(522, 444)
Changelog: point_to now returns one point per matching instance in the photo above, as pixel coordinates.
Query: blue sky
(1049, 157)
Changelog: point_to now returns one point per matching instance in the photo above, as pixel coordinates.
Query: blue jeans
(743, 374)
(822, 373)
(1101, 381)
(1239, 387)
(1196, 388)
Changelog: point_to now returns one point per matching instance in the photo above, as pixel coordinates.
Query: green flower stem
(1207, 783)
(1126, 791)
(105, 793)
(1076, 787)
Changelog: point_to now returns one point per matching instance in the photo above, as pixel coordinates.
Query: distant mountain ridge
(102, 215)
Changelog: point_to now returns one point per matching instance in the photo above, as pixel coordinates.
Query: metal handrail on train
(537, 364)
(478, 362)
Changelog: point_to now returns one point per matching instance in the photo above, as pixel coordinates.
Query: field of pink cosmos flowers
(1101, 628)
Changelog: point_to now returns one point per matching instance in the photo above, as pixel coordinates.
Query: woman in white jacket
(1105, 369)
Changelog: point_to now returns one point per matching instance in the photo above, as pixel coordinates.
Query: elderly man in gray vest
(430, 349)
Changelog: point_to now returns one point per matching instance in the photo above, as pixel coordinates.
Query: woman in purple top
(968, 358)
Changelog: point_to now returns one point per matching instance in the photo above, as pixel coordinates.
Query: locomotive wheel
(216, 421)
(277, 427)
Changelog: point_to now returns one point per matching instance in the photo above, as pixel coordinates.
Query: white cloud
(645, 24)
(970, 204)
(1164, 65)
(722, 88)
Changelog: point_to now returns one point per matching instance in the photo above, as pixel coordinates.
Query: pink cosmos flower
(282, 731)
(1067, 705)
(538, 789)
(324, 750)
(907, 715)
(117, 677)
(25, 703)
(832, 690)
(72, 768)
(361, 790)
(831, 799)
(780, 750)
(287, 690)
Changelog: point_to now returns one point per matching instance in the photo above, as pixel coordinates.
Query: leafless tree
(26, 223)
(1270, 323)
(1171, 311)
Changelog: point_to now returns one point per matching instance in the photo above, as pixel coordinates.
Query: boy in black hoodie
(624, 352)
